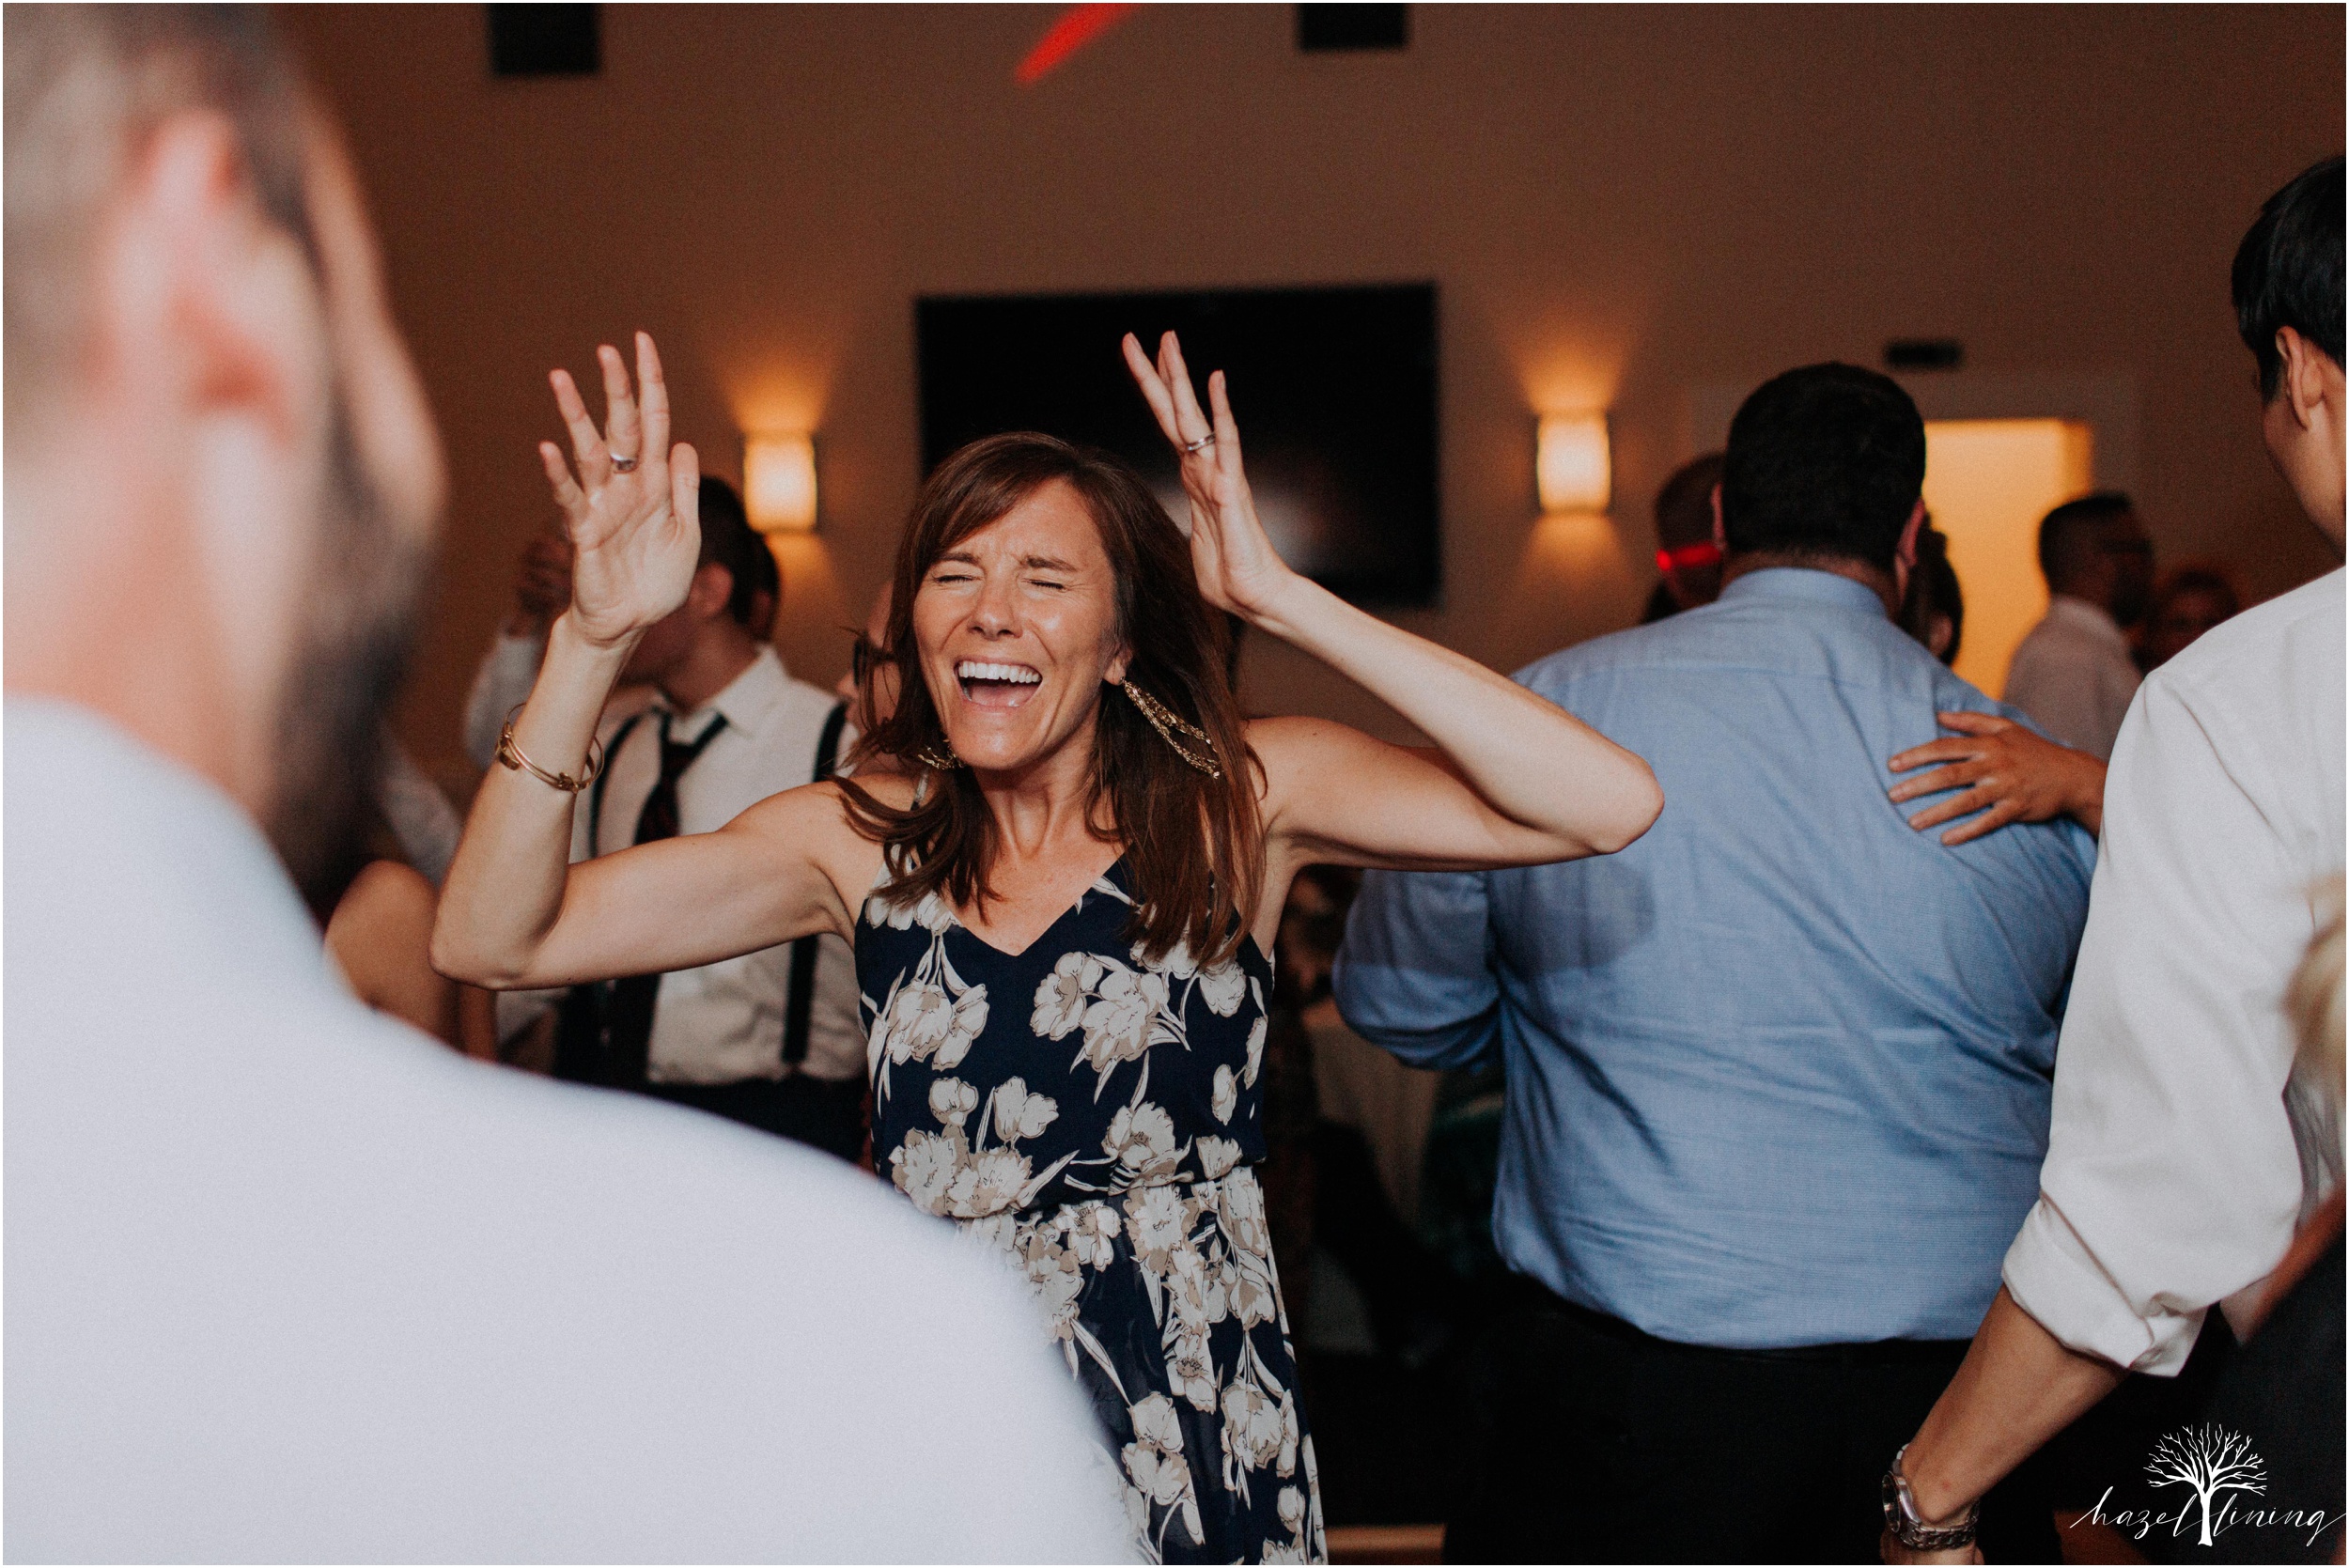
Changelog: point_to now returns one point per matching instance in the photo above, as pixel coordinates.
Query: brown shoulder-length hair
(1196, 844)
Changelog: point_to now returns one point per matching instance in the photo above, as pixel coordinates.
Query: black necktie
(628, 1018)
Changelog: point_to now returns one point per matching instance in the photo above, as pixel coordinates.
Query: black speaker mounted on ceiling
(1329, 28)
(545, 40)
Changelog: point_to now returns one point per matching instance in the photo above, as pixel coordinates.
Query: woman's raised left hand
(1238, 569)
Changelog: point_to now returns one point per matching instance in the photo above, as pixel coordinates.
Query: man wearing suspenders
(771, 1039)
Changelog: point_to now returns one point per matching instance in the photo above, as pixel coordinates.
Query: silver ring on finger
(1201, 444)
(623, 465)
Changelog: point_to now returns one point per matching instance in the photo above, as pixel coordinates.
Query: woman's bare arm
(514, 912)
(1514, 780)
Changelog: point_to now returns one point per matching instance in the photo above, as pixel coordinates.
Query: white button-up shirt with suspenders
(785, 1010)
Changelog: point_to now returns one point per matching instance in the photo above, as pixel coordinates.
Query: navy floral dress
(1094, 1117)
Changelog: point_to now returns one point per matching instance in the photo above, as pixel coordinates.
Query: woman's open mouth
(986, 684)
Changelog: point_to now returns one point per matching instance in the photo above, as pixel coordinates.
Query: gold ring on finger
(623, 465)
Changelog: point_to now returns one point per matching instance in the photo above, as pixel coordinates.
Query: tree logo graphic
(2213, 1461)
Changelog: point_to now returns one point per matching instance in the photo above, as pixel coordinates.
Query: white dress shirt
(722, 1023)
(2072, 674)
(2174, 1179)
(289, 1282)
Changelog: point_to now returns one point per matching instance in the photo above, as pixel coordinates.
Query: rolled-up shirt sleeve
(2172, 1180)
(1415, 972)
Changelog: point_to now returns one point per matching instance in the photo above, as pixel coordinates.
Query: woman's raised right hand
(636, 533)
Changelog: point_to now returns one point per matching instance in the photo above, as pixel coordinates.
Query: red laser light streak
(1078, 26)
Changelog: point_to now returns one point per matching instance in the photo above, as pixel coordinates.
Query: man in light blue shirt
(1779, 1074)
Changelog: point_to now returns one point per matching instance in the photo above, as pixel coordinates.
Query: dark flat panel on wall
(1325, 28)
(1334, 390)
(545, 40)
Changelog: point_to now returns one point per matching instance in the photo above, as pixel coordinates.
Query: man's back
(286, 1281)
(1783, 1047)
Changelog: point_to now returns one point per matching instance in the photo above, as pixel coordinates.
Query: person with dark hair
(2190, 600)
(1934, 608)
(1687, 556)
(1778, 1073)
(2184, 1148)
(2074, 673)
(770, 1039)
(1062, 859)
(287, 1281)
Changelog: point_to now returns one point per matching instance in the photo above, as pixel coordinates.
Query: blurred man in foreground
(287, 1281)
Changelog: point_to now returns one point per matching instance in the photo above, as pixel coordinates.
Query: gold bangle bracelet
(511, 755)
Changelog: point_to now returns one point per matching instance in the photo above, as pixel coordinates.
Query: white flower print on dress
(930, 912)
(989, 1183)
(1142, 1139)
(1092, 1233)
(1157, 1219)
(1252, 1298)
(924, 1167)
(1020, 1114)
(1177, 961)
(952, 1100)
(1251, 1426)
(1196, 1288)
(1060, 999)
(1191, 1371)
(1222, 986)
(1216, 1156)
(923, 1023)
(1153, 1460)
(1117, 1025)
(1255, 1052)
(1225, 1096)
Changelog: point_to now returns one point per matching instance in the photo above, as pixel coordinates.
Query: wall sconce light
(1571, 466)
(778, 482)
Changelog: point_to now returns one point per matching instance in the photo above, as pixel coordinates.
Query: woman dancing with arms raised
(1060, 863)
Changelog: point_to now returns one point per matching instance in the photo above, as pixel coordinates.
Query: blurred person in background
(285, 1280)
(2000, 771)
(2186, 1149)
(1934, 608)
(1742, 1253)
(2074, 673)
(2190, 600)
(770, 1039)
(1687, 552)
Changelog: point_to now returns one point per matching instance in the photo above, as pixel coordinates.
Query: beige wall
(1620, 206)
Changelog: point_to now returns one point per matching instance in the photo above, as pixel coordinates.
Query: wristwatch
(1908, 1528)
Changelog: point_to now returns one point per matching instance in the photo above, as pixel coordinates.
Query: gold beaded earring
(939, 756)
(1166, 721)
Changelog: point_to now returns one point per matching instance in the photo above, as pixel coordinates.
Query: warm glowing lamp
(1571, 468)
(778, 482)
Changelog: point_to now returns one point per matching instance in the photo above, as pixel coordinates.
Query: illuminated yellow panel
(1987, 483)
